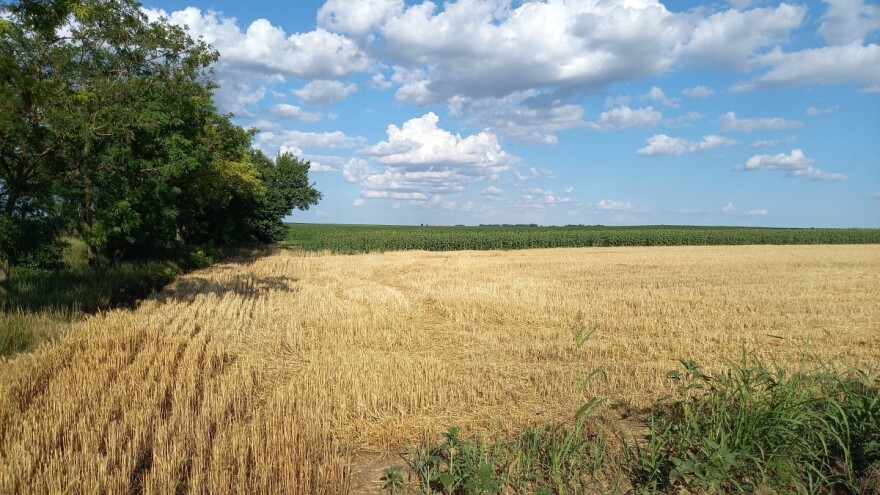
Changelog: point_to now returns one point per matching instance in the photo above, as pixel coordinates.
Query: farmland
(369, 238)
(299, 372)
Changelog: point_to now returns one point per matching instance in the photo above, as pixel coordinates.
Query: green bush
(762, 427)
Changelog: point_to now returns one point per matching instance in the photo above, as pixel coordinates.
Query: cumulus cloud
(795, 164)
(852, 63)
(619, 206)
(266, 48)
(492, 191)
(625, 117)
(480, 49)
(356, 17)
(323, 93)
(271, 140)
(661, 144)
(729, 208)
(728, 39)
(358, 202)
(519, 116)
(657, 94)
(847, 21)
(422, 158)
(293, 112)
(262, 54)
(730, 123)
(698, 92)
(814, 112)
(540, 199)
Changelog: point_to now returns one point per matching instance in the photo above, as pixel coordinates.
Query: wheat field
(287, 373)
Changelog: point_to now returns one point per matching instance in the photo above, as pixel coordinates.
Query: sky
(556, 112)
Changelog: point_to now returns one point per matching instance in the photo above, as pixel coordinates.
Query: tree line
(108, 132)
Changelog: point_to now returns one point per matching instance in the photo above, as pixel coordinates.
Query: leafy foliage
(757, 427)
(108, 132)
(367, 238)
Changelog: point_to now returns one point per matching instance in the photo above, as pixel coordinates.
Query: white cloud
(420, 157)
(262, 54)
(852, 63)
(767, 143)
(480, 49)
(875, 194)
(271, 140)
(266, 48)
(323, 93)
(519, 116)
(757, 211)
(435, 203)
(320, 167)
(728, 39)
(847, 21)
(358, 202)
(874, 88)
(796, 164)
(661, 144)
(293, 112)
(467, 206)
(730, 123)
(356, 170)
(619, 206)
(356, 17)
(540, 199)
(492, 191)
(657, 94)
(730, 208)
(698, 92)
(625, 117)
(394, 195)
(813, 111)
(378, 81)
(421, 142)
(569, 190)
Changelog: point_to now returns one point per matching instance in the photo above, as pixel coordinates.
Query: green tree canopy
(108, 131)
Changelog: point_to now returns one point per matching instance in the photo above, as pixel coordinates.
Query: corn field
(368, 238)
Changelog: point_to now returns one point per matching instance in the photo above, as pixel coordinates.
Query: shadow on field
(42, 303)
(246, 286)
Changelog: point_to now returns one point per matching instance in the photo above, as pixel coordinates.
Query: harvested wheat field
(279, 375)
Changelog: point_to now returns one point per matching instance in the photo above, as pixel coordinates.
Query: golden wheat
(278, 375)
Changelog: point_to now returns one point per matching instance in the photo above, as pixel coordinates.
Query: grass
(755, 428)
(300, 372)
(41, 303)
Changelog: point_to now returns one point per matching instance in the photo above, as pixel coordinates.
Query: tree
(28, 149)
(108, 131)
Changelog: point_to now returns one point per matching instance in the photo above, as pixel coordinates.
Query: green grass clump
(539, 460)
(752, 429)
(763, 427)
(21, 331)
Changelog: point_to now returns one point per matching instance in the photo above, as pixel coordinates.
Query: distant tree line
(108, 132)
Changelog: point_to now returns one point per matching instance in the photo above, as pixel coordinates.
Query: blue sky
(558, 112)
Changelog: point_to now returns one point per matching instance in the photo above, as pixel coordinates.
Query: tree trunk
(4, 276)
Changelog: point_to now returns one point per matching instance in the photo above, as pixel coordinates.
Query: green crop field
(367, 238)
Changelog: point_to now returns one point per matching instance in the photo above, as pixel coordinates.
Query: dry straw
(279, 375)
